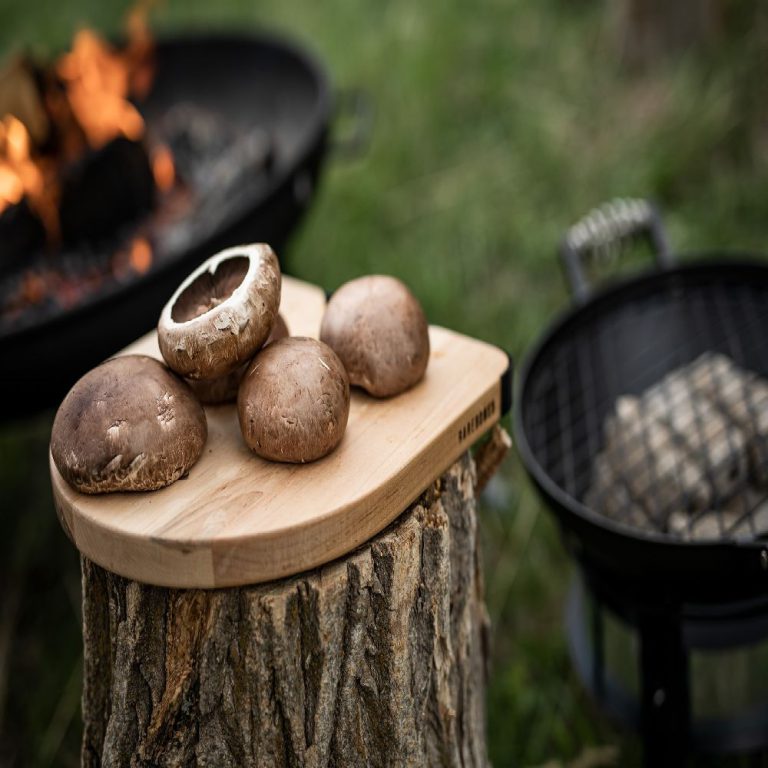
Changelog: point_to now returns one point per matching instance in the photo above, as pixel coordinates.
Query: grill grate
(691, 470)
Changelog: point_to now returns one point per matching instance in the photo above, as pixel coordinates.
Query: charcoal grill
(677, 595)
(246, 80)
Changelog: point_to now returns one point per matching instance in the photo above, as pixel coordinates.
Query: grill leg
(665, 704)
(598, 640)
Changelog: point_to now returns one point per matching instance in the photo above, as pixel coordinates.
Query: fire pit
(674, 553)
(236, 130)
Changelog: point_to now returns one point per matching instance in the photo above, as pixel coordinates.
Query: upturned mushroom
(378, 329)
(222, 313)
(224, 388)
(127, 425)
(293, 402)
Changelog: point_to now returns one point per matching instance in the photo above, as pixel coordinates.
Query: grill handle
(603, 233)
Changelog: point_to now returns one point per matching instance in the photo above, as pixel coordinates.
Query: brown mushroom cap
(279, 330)
(222, 313)
(293, 402)
(127, 425)
(378, 329)
(224, 388)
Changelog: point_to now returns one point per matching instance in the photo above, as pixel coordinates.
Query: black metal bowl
(618, 341)
(248, 79)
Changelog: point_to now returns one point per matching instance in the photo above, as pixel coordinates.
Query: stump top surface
(238, 519)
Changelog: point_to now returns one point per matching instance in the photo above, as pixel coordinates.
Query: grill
(682, 560)
(628, 349)
(263, 97)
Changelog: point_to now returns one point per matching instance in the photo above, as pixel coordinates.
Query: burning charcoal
(245, 160)
(195, 135)
(659, 474)
(21, 234)
(743, 398)
(104, 190)
(713, 442)
(210, 153)
(609, 495)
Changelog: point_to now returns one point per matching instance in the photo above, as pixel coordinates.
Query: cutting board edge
(211, 564)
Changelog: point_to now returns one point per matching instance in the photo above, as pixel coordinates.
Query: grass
(498, 123)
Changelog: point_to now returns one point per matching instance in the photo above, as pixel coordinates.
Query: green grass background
(498, 123)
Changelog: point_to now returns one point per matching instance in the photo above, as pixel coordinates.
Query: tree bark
(377, 659)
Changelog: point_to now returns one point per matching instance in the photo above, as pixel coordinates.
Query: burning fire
(19, 175)
(22, 176)
(86, 103)
(97, 82)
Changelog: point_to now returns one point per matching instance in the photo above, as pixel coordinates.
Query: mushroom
(224, 388)
(279, 330)
(378, 329)
(220, 390)
(127, 425)
(222, 313)
(293, 402)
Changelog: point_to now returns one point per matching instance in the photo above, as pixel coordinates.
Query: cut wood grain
(238, 519)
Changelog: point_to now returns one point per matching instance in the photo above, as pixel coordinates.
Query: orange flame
(21, 175)
(18, 174)
(141, 45)
(97, 82)
(163, 168)
(140, 256)
(91, 109)
(33, 288)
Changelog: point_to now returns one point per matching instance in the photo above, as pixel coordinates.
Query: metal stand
(667, 634)
(665, 699)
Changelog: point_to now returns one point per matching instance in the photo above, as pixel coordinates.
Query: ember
(163, 168)
(141, 255)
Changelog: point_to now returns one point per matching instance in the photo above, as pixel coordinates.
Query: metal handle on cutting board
(603, 232)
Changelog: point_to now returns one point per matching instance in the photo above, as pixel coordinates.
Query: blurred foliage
(498, 123)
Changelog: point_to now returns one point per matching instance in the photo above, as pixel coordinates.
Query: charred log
(105, 190)
(21, 234)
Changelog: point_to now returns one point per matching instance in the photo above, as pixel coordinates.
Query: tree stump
(377, 659)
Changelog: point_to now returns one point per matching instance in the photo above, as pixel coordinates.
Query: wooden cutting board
(238, 519)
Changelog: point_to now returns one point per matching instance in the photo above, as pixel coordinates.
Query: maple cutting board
(238, 519)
